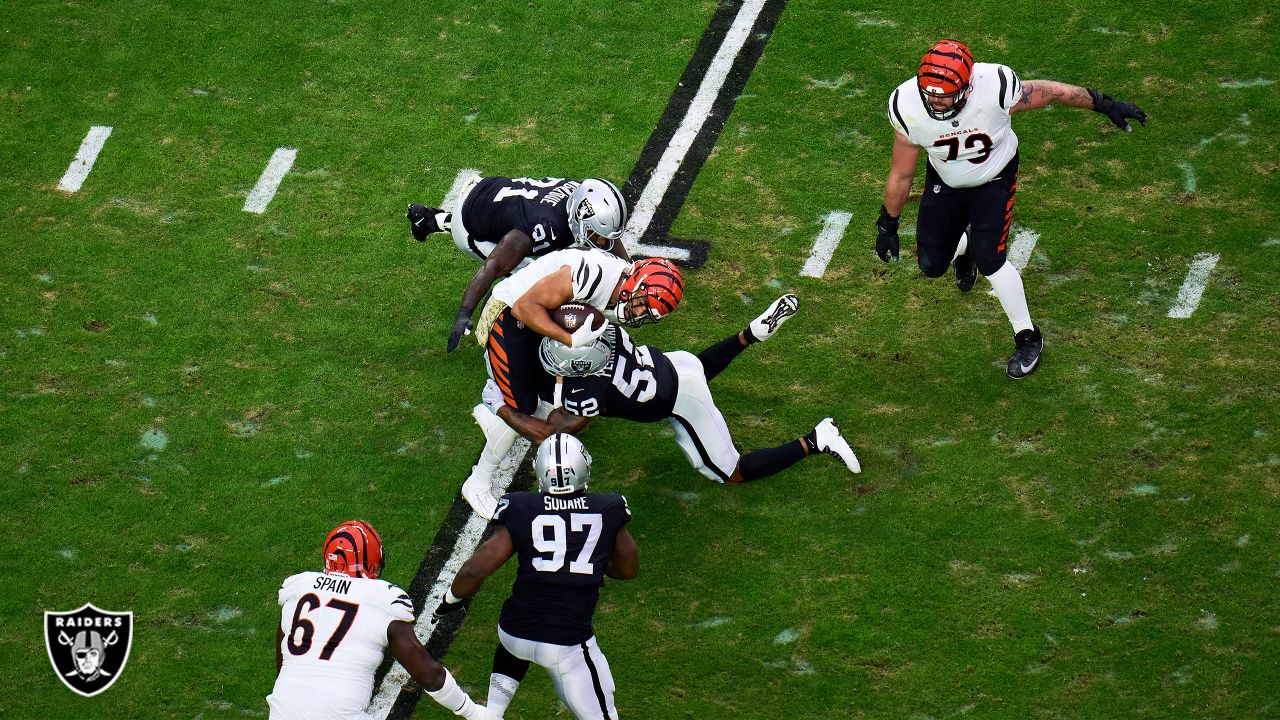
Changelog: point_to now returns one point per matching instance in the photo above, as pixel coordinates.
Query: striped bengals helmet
(943, 79)
(650, 291)
(354, 549)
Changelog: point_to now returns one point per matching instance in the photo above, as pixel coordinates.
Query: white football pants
(580, 674)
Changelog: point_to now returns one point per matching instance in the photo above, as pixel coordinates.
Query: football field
(218, 340)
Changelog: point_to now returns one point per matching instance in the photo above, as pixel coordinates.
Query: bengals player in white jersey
(335, 627)
(959, 112)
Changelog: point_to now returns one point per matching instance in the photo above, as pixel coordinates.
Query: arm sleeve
(399, 604)
(286, 590)
(895, 114)
(1010, 86)
(594, 277)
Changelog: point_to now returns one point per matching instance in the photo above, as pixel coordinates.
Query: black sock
(811, 437)
(750, 336)
(504, 663)
(717, 357)
(763, 463)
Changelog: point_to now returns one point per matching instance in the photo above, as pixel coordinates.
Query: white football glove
(492, 396)
(586, 334)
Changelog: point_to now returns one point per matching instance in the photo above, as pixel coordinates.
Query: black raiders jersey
(638, 384)
(538, 208)
(563, 543)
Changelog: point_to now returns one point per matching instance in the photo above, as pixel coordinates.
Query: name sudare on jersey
(555, 503)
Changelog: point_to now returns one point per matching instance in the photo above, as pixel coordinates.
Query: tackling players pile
(557, 242)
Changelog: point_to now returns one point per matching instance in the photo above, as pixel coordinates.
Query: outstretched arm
(1038, 93)
(434, 678)
(510, 250)
(535, 430)
(484, 562)
(409, 652)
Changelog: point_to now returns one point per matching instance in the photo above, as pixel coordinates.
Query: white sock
(501, 689)
(496, 448)
(444, 221)
(1007, 284)
(963, 247)
(451, 698)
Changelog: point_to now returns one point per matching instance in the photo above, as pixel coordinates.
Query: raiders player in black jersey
(504, 222)
(613, 377)
(567, 540)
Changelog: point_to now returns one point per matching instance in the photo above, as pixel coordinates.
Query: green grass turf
(1097, 541)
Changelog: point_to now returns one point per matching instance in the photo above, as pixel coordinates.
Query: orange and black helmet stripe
(947, 66)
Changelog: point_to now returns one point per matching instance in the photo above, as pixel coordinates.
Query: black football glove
(444, 608)
(1118, 111)
(461, 326)
(887, 236)
(422, 221)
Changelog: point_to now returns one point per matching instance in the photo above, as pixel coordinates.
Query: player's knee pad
(932, 264)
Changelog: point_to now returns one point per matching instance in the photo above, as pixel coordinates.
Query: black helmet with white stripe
(597, 207)
(563, 465)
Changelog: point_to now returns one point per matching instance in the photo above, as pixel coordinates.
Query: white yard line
(262, 193)
(1188, 176)
(1202, 266)
(460, 181)
(1024, 243)
(699, 110)
(85, 158)
(468, 539)
(825, 246)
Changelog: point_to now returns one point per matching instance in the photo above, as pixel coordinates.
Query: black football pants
(945, 212)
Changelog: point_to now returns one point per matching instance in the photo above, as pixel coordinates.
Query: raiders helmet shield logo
(88, 647)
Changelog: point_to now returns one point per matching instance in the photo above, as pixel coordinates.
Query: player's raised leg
(717, 357)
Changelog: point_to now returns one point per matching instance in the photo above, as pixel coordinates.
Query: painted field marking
(460, 181)
(1193, 287)
(1189, 176)
(86, 156)
(1240, 84)
(262, 193)
(1024, 243)
(824, 247)
(683, 139)
(682, 156)
(389, 692)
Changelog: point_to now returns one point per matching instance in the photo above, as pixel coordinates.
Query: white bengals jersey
(595, 274)
(335, 636)
(971, 148)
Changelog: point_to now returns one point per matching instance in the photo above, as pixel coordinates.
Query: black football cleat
(1027, 346)
(966, 272)
(422, 221)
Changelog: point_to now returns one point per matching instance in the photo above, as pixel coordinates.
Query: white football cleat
(763, 327)
(831, 442)
(477, 490)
